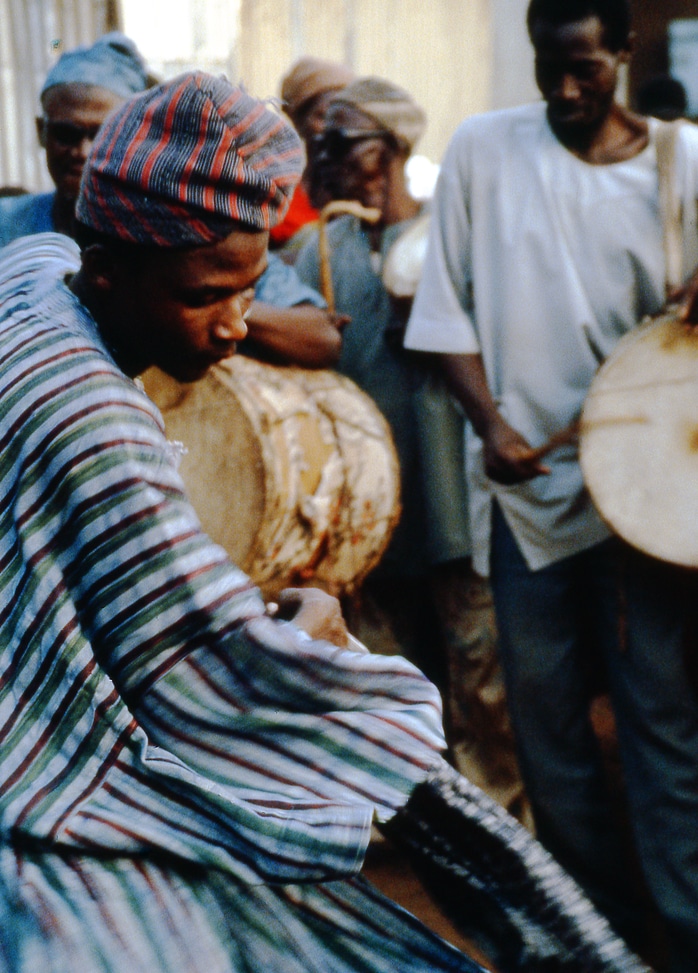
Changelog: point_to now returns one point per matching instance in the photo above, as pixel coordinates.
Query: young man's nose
(231, 326)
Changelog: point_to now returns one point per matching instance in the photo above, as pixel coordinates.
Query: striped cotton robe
(185, 784)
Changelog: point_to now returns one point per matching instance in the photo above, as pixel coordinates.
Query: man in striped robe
(186, 783)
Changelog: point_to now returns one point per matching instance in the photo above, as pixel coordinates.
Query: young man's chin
(191, 371)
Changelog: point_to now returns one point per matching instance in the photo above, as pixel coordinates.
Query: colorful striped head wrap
(187, 161)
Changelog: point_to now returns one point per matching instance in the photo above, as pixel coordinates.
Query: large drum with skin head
(292, 471)
(639, 440)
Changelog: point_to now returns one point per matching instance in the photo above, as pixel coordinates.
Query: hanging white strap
(670, 203)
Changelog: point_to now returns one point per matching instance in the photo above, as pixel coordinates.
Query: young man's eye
(201, 298)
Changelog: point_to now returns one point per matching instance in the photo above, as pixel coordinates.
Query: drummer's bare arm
(509, 458)
(302, 335)
(313, 610)
(687, 298)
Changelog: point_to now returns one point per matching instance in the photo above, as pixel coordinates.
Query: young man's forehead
(576, 38)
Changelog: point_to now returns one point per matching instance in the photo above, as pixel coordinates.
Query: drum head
(292, 471)
(639, 440)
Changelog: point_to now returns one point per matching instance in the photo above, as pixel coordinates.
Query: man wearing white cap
(80, 90)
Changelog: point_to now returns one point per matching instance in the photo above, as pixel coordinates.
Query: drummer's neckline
(646, 148)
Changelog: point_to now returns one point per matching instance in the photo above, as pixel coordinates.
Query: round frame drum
(639, 440)
(292, 471)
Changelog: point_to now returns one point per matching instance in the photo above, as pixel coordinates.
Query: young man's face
(73, 114)
(183, 310)
(576, 72)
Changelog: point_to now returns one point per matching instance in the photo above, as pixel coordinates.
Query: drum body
(639, 440)
(292, 471)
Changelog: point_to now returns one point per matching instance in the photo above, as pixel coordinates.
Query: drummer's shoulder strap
(670, 202)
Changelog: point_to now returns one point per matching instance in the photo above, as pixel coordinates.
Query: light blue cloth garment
(281, 286)
(25, 215)
(397, 380)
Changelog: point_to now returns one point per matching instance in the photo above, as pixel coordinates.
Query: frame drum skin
(293, 471)
(639, 440)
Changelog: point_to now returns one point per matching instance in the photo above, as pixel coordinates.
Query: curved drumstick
(333, 208)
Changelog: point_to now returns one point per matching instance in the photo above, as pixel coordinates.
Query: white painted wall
(513, 81)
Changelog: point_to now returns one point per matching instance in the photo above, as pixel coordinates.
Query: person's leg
(657, 719)
(543, 618)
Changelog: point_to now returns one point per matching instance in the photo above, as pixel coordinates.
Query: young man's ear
(101, 267)
(41, 130)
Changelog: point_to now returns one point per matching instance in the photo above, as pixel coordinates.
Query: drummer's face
(576, 72)
(184, 310)
(352, 155)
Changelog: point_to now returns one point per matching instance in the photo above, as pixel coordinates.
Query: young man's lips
(222, 355)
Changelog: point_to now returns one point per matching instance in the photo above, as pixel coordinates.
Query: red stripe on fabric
(145, 126)
(102, 905)
(52, 393)
(246, 123)
(31, 337)
(166, 137)
(216, 818)
(380, 744)
(72, 463)
(123, 568)
(68, 698)
(106, 148)
(23, 647)
(265, 743)
(137, 217)
(133, 608)
(177, 215)
(122, 740)
(103, 154)
(202, 139)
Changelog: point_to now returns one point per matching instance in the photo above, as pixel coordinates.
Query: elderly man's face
(73, 114)
(182, 310)
(351, 161)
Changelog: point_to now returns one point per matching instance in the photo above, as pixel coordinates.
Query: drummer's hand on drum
(687, 299)
(509, 458)
(316, 612)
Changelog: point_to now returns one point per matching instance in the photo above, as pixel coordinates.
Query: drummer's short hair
(613, 14)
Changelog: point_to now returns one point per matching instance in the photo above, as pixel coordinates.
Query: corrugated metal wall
(32, 35)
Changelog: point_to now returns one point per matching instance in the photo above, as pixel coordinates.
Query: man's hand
(687, 299)
(316, 612)
(508, 456)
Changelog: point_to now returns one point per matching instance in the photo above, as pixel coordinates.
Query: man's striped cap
(187, 161)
